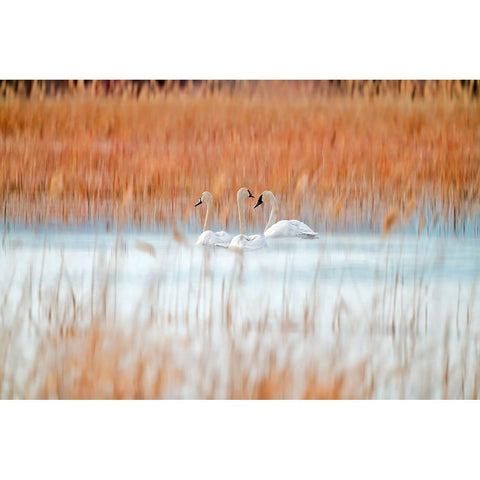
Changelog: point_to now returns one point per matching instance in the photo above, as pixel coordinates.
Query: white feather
(243, 241)
(282, 228)
(209, 237)
(290, 228)
(248, 242)
(220, 239)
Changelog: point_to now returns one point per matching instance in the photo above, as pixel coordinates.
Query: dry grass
(334, 160)
(97, 360)
(108, 364)
(68, 341)
(389, 221)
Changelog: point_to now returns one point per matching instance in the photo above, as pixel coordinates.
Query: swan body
(248, 242)
(290, 228)
(283, 228)
(209, 237)
(243, 241)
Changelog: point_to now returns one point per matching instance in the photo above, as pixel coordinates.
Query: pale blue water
(357, 286)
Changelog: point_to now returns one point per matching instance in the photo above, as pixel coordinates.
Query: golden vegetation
(389, 221)
(82, 356)
(105, 363)
(335, 158)
(68, 341)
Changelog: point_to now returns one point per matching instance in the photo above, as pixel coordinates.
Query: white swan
(283, 228)
(208, 237)
(242, 241)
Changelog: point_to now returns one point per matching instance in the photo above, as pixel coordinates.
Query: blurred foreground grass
(197, 339)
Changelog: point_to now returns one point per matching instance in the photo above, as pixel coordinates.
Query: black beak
(259, 201)
(250, 195)
(199, 202)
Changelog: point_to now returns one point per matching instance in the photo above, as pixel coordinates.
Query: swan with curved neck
(243, 241)
(283, 228)
(208, 237)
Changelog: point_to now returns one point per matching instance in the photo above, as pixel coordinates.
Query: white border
(239, 440)
(252, 39)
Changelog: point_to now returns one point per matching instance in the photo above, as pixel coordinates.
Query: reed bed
(339, 159)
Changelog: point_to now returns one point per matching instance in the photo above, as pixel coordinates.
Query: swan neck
(241, 215)
(273, 217)
(273, 212)
(206, 225)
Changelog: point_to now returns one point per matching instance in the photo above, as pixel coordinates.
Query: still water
(362, 292)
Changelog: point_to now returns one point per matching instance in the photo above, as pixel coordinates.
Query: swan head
(244, 193)
(205, 197)
(266, 196)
